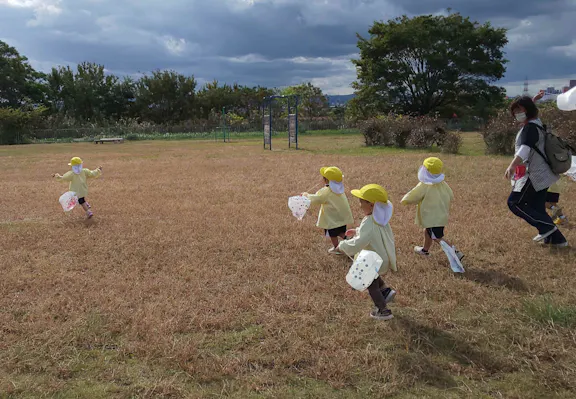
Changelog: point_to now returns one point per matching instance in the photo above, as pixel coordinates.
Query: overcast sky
(272, 43)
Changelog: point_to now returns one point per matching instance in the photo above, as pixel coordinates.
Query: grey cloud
(135, 36)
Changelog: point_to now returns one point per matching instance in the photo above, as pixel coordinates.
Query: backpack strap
(544, 130)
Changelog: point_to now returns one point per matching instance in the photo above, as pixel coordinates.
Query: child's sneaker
(381, 314)
(420, 251)
(388, 294)
(89, 215)
(334, 251)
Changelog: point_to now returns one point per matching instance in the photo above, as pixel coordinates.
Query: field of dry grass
(194, 280)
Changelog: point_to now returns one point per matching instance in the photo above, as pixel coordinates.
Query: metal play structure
(268, 119)
(223, 129)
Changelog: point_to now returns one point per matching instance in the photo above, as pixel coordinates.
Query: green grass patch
(544, 311)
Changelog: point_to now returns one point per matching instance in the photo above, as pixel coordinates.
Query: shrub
(451, 143)
(426, 131)
(132, 137)
(500, 134)
(401, 130)
(559, 122)
(15, 124)
(376, 132)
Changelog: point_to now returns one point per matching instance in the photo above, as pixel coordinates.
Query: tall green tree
(89, 94)
(313, 102)
(165, 97)
(20, 84)
(429, 64)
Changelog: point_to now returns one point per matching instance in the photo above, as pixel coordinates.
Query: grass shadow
(433, 341)
(495, 278)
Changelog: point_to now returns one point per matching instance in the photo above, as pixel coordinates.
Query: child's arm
(415, 196)
(356, 244)
(94, 173)
(67, 177)
(318, 198)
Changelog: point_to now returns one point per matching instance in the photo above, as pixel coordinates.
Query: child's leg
(382, 312)
(85, 206)
(335, 241)
(376, 293)
(427, 241)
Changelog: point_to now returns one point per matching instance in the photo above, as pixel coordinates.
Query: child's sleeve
(358, 242)
(415, 196)
(93, 173)
(67, 177)
(320, 197)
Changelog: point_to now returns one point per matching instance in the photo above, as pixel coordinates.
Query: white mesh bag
(68, 200)
(364, 270)
(298, 205)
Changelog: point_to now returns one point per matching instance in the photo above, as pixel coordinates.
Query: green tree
(313, 102)
(20, 84)
(89, 94)
(429, 64)
(165, 97)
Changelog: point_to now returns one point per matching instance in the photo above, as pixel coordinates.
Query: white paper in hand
(68, 200)
(298, 205)
(364, 270)
(455, 263)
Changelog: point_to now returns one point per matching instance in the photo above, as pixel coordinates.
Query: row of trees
(426, 65)
(88, 94)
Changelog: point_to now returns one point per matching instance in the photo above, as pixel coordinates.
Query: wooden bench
(109, 140)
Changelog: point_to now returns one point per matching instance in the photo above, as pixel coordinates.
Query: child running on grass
(552, 200)
(78, 182)
(335, 213)
(432, 197)
(375, 234)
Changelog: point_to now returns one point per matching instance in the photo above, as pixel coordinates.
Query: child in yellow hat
(335, 213)
(78, 181)
(432, 197)
(375, 234)
(552, 200)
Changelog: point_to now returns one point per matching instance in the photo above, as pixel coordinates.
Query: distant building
(572, 83)
(550, 90)
(565, 89)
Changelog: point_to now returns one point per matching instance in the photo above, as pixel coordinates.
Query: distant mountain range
(340, 99)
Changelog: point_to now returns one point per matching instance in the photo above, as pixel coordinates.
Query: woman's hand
(350, 233)
(510, 172)
(539, 95)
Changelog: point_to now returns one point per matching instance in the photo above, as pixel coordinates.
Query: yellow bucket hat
(372, 193)
(75, 161)
(332, 173)
(433, 165)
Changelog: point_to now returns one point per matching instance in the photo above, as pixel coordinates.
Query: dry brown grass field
(193, 280)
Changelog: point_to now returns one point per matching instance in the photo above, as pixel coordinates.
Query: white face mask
(520, 117)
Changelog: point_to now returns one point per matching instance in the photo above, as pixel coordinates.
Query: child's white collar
(336, 187)
(428, 178)
(382, 212)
